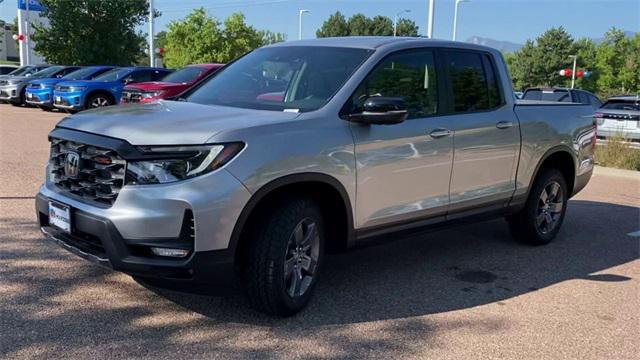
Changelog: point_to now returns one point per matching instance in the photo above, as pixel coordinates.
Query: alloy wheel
(550, 206)
(301, 259)
(99, 102)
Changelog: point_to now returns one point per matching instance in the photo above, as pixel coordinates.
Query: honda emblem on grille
(71, 164)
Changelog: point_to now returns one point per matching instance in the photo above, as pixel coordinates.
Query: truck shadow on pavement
(453, 269)
(53, 303)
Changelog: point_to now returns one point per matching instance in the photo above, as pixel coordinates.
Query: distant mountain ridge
(507, 46)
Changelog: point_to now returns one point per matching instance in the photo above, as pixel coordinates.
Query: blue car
(104, 90)
(40, 91)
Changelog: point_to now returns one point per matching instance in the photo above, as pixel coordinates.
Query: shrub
(617, 153)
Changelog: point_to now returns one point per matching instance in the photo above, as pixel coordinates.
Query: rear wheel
(285, 257)
(99, 100)
(540, 220)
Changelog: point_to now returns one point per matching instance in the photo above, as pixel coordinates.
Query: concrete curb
(606, 171)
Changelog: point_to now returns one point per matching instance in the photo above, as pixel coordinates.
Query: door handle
(438, 133)
(504, 124)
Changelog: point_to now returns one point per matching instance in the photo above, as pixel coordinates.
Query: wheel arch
(327, 190)
(558, 157)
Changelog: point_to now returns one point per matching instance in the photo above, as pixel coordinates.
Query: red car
(171, 85)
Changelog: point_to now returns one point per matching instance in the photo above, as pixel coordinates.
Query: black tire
(267, 286)
(104, 98)
(526, 226)
(20, 100)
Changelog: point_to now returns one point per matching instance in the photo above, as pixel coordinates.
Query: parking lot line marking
(634, 234)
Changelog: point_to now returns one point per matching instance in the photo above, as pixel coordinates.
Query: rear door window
(473, 81)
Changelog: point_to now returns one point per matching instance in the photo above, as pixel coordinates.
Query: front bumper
(68, 100)
(42, 97)
(98, 240)
(9, 92)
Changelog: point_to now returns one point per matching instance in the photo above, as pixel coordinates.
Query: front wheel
(285, 257)
(540, 220)
(99, 100)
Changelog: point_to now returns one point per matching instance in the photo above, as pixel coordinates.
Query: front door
(403, 170)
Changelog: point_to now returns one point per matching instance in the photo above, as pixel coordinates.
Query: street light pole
(395, 21)
(152, 52)
(300, 22)
(455, 17)
(26, 36)
(573, 73)
(432, 6)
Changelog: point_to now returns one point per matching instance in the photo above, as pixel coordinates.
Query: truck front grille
(90, 173)
(131, 95)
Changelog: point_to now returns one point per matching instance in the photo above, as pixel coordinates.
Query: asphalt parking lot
(469, 292)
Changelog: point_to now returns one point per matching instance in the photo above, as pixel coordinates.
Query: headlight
(152, 94)
(77, 88)
(175, 163)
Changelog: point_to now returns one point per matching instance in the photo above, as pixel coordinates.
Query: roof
(374, 42)
(625, 98)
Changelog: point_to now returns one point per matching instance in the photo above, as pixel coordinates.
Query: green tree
(521, 66)
(196, 39)
(200, 38)
(553, 50)
(335, 26)
(91, 32)
(270, 37)
(238, 38)
(586, 50)
(359, 25)
(406, 27)
(381, 26)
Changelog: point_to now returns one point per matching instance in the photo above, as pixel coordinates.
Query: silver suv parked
(305, 148)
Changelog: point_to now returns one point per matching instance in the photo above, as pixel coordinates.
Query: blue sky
(508, 20)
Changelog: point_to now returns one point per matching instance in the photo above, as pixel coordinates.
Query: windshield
(113, 75)
(48, 72)
(21, 71)
(551, 95)
(184, 75)
(279, 78)
(622, 105)
(80, 73)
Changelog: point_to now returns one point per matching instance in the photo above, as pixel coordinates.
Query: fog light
(170, 252)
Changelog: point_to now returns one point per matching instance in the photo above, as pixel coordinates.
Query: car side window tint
(99, 72)
(158, 75)
(474, 85)
(410, 75)
(140, 76)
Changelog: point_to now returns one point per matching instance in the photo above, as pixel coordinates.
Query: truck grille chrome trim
(91, 181)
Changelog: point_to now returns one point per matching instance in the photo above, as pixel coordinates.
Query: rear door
(403, 170)
(486, 132)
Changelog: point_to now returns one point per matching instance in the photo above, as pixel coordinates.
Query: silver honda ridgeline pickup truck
(305, 148)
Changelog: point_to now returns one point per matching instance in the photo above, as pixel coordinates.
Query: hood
(46, 81)
(14, 78)
(169, 122)
(155, 85)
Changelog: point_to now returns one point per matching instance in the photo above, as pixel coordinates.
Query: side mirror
(379, 110)
(127, 81)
